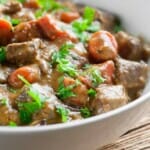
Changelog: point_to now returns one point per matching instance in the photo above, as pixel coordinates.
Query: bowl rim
(73, 124)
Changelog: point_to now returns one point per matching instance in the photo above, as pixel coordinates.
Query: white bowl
(89, 134)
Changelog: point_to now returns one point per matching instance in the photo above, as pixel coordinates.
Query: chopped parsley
(15, 22)
(3, 101)
(63, 65)
(65, 92)
(47, 5)
(96, 77)
(118, 26)
(62, 53)
(85, 24)
(27, 109)
(2, 54)
(63, 112)
(85, 112)
(12, 124)
(92, 93)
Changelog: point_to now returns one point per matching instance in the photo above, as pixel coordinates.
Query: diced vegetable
(5, 32)
(102, 46)
(68, 17)
(31, 74)
(91, 93)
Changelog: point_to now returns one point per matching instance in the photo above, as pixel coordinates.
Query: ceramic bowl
(92, 133)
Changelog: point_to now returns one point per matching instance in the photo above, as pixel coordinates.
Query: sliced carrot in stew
(30, 73)
(102, 46)
(5, 32)
(68, 17)
(51, 28)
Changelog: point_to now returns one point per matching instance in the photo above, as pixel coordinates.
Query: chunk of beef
(23, 53)
(107, 20)
(109, 97)
(4, 73)
(7, 113)
(12, 7)
(131, 48)
(26, 31)
(133, 75)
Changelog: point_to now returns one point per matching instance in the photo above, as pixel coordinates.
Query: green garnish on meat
(27, 109)
(63, 91)
(3, 101)
(85, 24)
(12, 124)
(91, 93)
(2, 54)
(85, 112)
(63, 112)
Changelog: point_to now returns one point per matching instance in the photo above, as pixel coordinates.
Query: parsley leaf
(67, 67)
(15, 22)
(50, 5)
(12, 124)
(85, 112)
(64, 92)
(27, 109)
(118, 26)
(2, 54)
(96, 77)
(3, 101)
(89, 14)
(3, 1)
(62, 53)
(92, 93)
(63, 112)
(85, 24)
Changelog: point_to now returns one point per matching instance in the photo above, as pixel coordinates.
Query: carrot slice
(68, 17)
(30, 73)
(102, 46)
(5, 32)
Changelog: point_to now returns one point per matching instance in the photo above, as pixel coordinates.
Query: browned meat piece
(107, 20)
(12, 7)
(7, 113)
(108, 98)
(131, 74)
(80, 99)
(4, 72)
(130, 47)
(26, 31)
(23, 53)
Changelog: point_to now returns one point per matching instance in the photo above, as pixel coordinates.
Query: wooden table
(137, 138)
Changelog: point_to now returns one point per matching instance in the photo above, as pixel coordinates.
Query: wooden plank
(137, 138)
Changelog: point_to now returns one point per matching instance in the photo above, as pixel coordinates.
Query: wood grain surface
(137, 138)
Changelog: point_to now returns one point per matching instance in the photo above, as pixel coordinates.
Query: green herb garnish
(63, 91)
(85, 24)
(2, 54)
(12, 124)
(15, 22)
(118, 26)
(62, 53)
(3, 101)
(85, 112)
(63, 112)
(92, 93)
(27, 109)
(96, 77)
